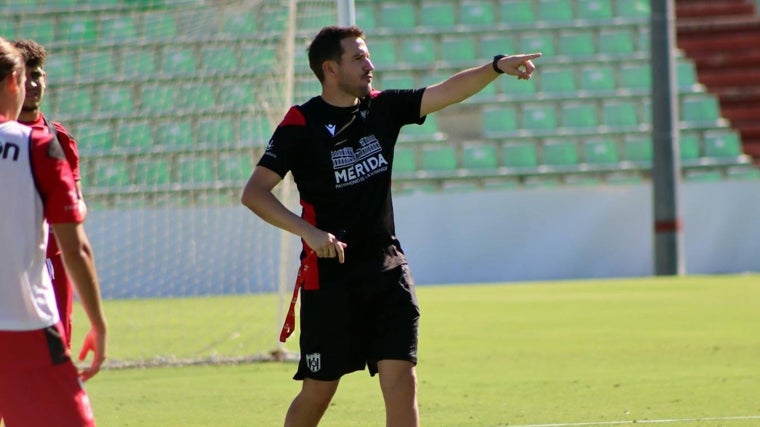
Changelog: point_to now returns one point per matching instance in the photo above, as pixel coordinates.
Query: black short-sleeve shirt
(341, 160)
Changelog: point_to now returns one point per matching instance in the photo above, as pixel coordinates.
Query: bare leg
(311, 403)
(398, 381)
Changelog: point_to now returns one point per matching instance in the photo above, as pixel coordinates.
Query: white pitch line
(663, 421)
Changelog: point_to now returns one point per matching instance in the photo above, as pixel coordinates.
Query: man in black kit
(359, 306)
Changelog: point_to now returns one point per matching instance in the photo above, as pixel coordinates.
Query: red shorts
(64, 294)
(39, 384)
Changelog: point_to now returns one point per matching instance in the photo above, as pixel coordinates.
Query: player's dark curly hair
(10, 59)
(326, 46)
(33, 52)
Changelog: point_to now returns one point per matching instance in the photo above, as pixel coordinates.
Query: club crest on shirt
(314, 362)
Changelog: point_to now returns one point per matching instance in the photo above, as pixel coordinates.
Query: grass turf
(490, 355)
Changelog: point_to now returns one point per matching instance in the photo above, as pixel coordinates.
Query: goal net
(172, 103)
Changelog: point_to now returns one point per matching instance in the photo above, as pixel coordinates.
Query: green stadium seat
(539, 117)
(111, 173)
(274, 20)
(404, 160)
(480, 157)
(637, 149)
(218, 59)
(594, 10)
(433, 77)
(599, 79)
(425, 132)
(579, 115)
(559, 81)
(306, 88)
(197, 97)
(636, 77)
(699, 108)
(158, 98)
(60, 68)
(748, 173)
(216, 131)
(418, 51)
(439, 158)
(138, 62)
(397, 81)
(577, 44)
(616, 42)
(516, 12)
(438, 15)
(635, 9)
(313, 17)
(178, 60)
(537, 42)
(234, 167)
(600, 151)
(490, 43)
(79, 29)
(476, 13)
(519, 155)
(237, 94)
(94, 137)
(238, 22)
(255, 130)
(255, 58)
(686, 74)
(177, 133)
(619, 114)
(7, 29)
(560, 153)
(152, 171)
(78, 102)
(688, 147)
(96, 65)
(457, 50)
(722, 144)
(40, 29)
(194, 170)
(115, 101)
(702, 175)
(383, 52)
(117, 28)
(512, 87)
(134, 135)
(498, 120)
(159, 25)
(365, 16)
(397, 15)
(555, 11)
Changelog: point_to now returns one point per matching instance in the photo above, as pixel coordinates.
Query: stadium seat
(425, 132)
(597, 79)
(234, 167)
(498, 120)
(439, 158)
(175, 133)
(635, 9)
(702, 175)
(577, 44)
(397, 15)
(397, 81)
(40, 29)
(96, 65)
(618, 114)
(479, 157)
(637, 149)
(158, 98)
(404, 160)
(559, 153)
(722, 144)
(512, 87)
(365, 16)
(555, 11)
(111, 173)
(117, 28)
(60, 68)
(216, 131)
(94, 137)
(749, 172)
(218, 59)
(519, 155)
(636, 77)
(699, 108)
(78, 102)
(194, 170)
(594, 10)
(134, 135)
(438, 15)
(255, 130)
(600, 151)
(579, 115)
(257, 59)
(537, 42)
(382, 52)
(237, 94)
(689, 147)
(616, 42)
(418, 51)
(557, 81)
(178, 60)
(152, 171)
(312, 18)
(490, 43)
(138, 62)
(539, 117)
(7, 29)
(686, 74)
(196, 97)
(516, 12)
(238, 22)
(457, 50)
(159, 25)
(476, 13)
(274, 19)
(115, 101)
(78, 28)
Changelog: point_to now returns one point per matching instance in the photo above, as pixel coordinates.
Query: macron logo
(331, 129)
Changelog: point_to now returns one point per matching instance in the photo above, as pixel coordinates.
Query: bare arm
(467, 83)
(258, 197)
(80, 264)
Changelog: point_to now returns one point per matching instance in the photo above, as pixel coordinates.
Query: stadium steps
(723, 39)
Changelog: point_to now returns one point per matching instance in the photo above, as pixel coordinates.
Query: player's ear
(330, 68)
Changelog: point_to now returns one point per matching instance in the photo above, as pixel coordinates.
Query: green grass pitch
(603, 352)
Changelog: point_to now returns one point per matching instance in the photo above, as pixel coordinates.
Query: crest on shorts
(314, 361)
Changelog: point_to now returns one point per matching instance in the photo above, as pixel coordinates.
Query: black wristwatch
(495, 63)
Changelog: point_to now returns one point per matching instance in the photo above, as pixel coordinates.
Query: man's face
(355, 68)
(35, 88)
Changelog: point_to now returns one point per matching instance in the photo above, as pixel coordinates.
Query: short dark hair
(33, 52)
(326, 46)
(10, 59)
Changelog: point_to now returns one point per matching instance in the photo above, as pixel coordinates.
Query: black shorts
(349, 323)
